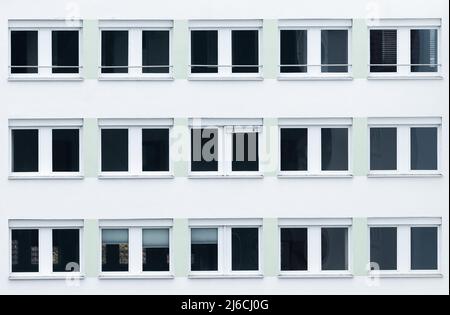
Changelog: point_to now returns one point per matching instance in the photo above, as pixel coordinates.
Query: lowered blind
(156, 238)
(383, 50)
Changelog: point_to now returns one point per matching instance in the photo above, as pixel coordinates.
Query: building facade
(224, 147)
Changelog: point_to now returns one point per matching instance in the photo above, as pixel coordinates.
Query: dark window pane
(25, 151)
(155, 150)
(204, 250)
(204, 150)
(424, 248)
(65, 51)
(294, 249)
(383, 248)
(66, 250)
(25, 250)
(204, 51)
(155, 51)
(334, 149)
(115, 51)
(294, 51)
(245, 152)
(383, 50)
(155, 250)
(115, 256)
(115, 150)
(334, 249)
(294, 149)
(245, 244)
(383, 149)
(24, 52)
(66, 150)
(245, 51)
(335, 51)
(424, 149)
(424, 50)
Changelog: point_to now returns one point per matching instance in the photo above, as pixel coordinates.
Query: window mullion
(404, 50)
(404, 249)
(135, 150)
(314, 150)
(403, 149)
(314, 249)
(135, 250)
(135, 52)
(225, 51)
(45, 52)
(45, 151)
(45, 251)
(314, 51)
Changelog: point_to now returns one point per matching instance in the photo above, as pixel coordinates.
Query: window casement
(314, 247)
(46, 249)
(315, 147)
(315, 49)
(225, 49)
(137, 148)
(136, 248)
(404, 246)
(405, 48)
(45, 50)
(45, 148)
(225, 248)
(137, 50)
(404, 146)
(225, 147)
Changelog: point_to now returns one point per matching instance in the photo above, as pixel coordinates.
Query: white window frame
(314, 228)
(224, 30)
(226, 128)
(314, 30)
(135, 230)
(403, 226)
(45, 62)
(135, 127)
(403, 126)
(404, 28)
(45, 228)
(224, 246)
(135, 30)
(45, 159)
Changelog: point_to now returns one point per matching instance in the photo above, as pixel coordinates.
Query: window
(383, 149)
(115, 150)
(24, 52)
(204, 152)
(156, 51)
(383, 248)
(294, 51)
(335, 51)
(334, 249)
(424, 50)
(245, 152)
(294, 249)
(424, 143)
(25, 250)
(66, 250)
(335, 149)
(294, 149)
(204, 250)
(155, 150)
(204, 51)
(65, 51)
(66, 150)
(25, 150)
(383, 50)
(115, 256)
(114, 51)
(245, 249)
(424, 248)
(155, 250)
(245, 51)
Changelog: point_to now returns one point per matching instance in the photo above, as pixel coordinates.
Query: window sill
(316, 176)
(161, 78)
(136, 277)
(49, 177)
(227, 78)
(404, 77)
(220, 276)
(406, 275)
(316, 276)
(199, 176)
(49, 277)
(168, 176)
(391, 175)
(45, 79)
(314, 78)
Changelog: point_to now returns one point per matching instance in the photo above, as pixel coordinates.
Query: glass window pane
(245, 152)
(294, 249)
(155, 51)
(294, 149)
(65, 51)
(204, 51)
(25, 150)
(115, 250)
(115, 51)
(383, 50)
(245, 51)
(66, 150)
(25, 250)
(155, 250)
(424, 50)
(115, 150)
(66, 250)
(245, 245)
(24, 52)
(383, 248)
(424, 248)
(334, 149)
(424, 149)
(204, 249)
(155, 150)
(204, 150)
(335, 51)
(294, 51)
(383, 149)
(334, 249)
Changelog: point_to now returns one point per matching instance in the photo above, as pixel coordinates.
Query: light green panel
(271, 49)
(269, 158)
(271, 247)
(180, 49)
(360, 51)
(91, 38)
(91, 248)
(90, 147)
(360, 147)
(360, 240)
(180, 147)
(181, 247)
